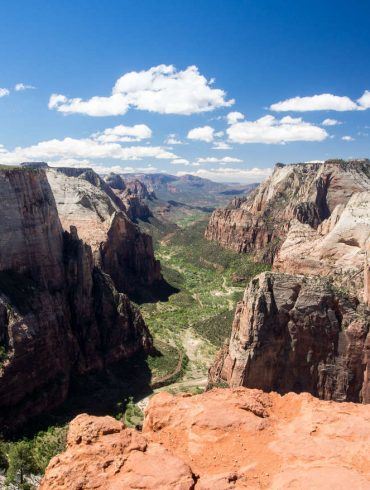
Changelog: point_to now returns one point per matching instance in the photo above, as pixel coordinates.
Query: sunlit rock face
(297, 333)
(308, 193)
(119, 247)
(222, 439)
(60, 314)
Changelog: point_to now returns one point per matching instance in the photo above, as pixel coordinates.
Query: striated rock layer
(296, 333)
(59, 313)
(119, 247)
(337, 248)
(308, 193)
(222, 439)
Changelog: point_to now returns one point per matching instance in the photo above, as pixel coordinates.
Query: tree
(20, 463)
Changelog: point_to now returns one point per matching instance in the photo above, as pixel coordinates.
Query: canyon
(305, 326)
(61, 313)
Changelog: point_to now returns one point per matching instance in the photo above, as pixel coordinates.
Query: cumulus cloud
(230, 174)
(84, 149)
(221, 145)
(270, 130)
(162, 89)
(180, 161)
(19, 87)
(234, 117)
(4, 92)
(347, 138)
(122, 133)
(322, 102)
(204, 133)
(330, 122)
(364, 101)
(172, 139)
(221, 161)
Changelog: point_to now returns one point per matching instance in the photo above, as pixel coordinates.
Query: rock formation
(60, 315)
(308, 193)
(336, 248)
(134, 196)
(119, 247)
(296, 333)
(222, 439)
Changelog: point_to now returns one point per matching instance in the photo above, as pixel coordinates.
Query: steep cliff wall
(337, 248)
(308, 193)
(119, 247)
(296, 333)
(59, 314)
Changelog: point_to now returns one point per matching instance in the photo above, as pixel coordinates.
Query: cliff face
(119, 247)
(295, 333)
(133, 194)
(308, 193)
(59, 314)
(336, 248)
(222, 439)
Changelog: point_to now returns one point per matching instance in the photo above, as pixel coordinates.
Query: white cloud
(114, 105)
(204, 133)
(330, 122)
(180, 161)
(86, 149)
(234, 117)
(121, 133)
(172, 139)
(221, 161)
(160, 89)
(229, 174)
(347, 138)
(364, 100)
(221, 145)
(322, 102)
(4, 92)
(270, 130)
(19, 87)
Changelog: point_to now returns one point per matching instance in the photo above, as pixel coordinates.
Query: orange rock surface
(219, 440)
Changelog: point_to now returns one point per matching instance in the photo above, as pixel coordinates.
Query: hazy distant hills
(190, 189)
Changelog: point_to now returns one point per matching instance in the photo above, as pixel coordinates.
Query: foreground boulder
(297, 333)
(60, 314)
(222, 439)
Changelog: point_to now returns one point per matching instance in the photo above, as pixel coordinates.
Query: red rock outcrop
(308, 192)
(59, 314)
(296, 333)
(222, 439)
(119, 247)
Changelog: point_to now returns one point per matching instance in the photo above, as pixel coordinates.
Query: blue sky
(185, 65)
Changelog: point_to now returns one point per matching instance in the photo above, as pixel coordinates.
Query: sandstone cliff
(336, 248)
(119, 247)
(134, 196)
(222, 440)
(296, 333)
(59, 314)
(307, 192)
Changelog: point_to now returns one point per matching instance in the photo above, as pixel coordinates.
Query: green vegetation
(133, 415)
(25, 458)
(205, 275)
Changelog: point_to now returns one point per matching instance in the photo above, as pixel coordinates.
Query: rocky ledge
(222, 439)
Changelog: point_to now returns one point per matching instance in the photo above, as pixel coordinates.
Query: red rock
(222, 439)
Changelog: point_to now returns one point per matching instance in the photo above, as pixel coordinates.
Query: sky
(219, 89)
